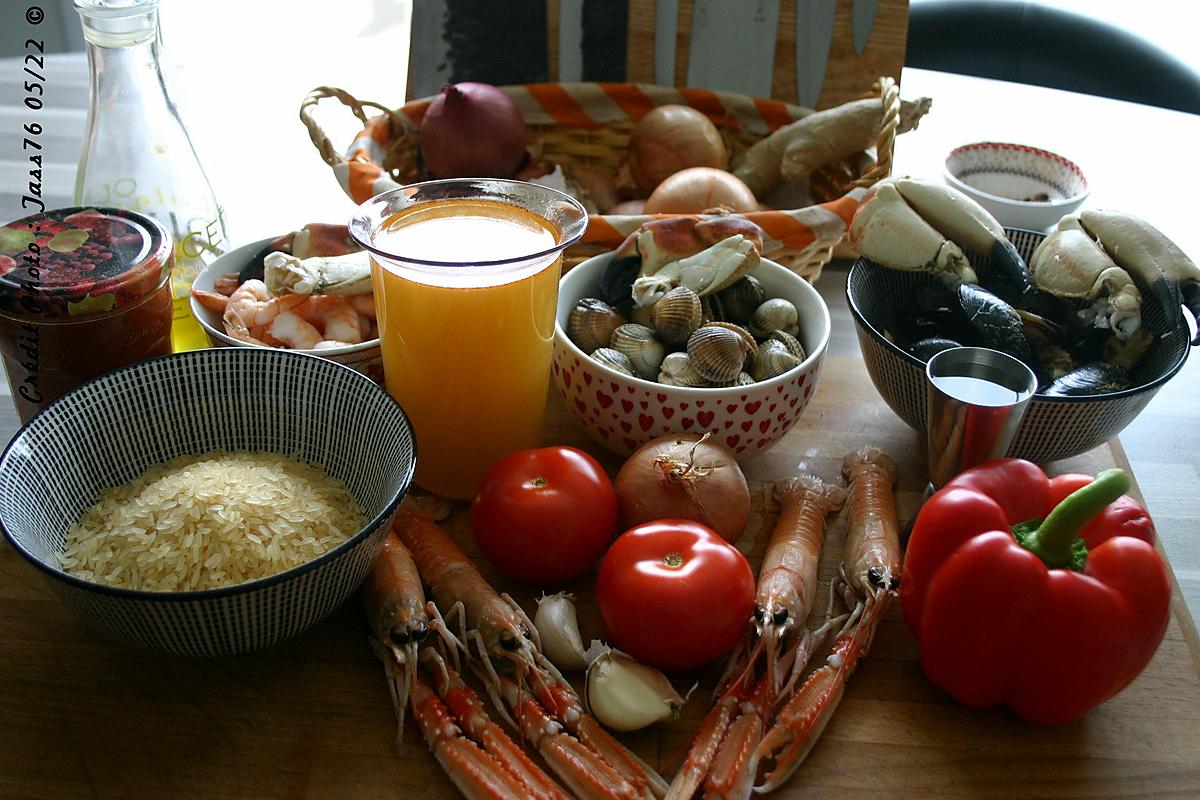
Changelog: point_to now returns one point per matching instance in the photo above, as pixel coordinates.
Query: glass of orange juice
(466, 275)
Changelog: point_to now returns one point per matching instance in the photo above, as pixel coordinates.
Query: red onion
(684, 476)
(472, 130)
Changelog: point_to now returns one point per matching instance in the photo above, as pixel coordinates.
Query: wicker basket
(587, 125)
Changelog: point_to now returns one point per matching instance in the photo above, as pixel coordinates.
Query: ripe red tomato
(674, 594)
(544, 515)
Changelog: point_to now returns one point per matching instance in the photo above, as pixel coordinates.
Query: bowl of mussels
(686, 329)
(1095, 308)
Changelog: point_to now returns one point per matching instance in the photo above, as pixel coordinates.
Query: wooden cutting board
(82, 716)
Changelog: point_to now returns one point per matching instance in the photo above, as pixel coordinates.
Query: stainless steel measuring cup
(976, 398)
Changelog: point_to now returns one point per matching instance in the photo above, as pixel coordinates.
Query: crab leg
(1069, 263)
(1151, 258)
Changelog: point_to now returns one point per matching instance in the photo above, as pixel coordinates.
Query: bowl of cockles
(1097, 307)
(686, 328)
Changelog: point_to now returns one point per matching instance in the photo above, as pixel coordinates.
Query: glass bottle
(136, 153)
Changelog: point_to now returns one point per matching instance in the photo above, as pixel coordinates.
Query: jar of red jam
(82, 291)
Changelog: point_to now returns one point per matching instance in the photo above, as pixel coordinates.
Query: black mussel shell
(1097, 377)
(616, 281)
(996, 322)
(926, 349)
(1009, 277)
(253, 271)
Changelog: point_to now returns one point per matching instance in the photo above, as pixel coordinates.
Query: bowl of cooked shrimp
(307, 291)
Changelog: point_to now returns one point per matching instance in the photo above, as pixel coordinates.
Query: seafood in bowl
(693, 371)
(1096, 295)
(309, 290)
(1100, 353)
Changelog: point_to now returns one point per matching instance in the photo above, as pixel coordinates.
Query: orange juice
(466, 341)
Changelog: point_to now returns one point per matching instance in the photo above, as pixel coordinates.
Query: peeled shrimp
(251, 308)
(333, 315)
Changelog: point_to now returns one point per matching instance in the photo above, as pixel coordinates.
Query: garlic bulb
(558, 628)
(628, 696)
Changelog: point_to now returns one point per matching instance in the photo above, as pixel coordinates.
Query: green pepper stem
(1053, 539)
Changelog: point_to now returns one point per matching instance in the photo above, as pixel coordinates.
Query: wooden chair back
(816, 53)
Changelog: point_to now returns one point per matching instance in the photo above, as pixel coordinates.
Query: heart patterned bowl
(622, 412)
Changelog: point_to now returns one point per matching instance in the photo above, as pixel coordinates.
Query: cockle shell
(790, 342)
(776, 314)
(676, 315)
(740, 299)
(591, 323)
(677, 370)
(614, 359)
(773, 358)
(717, 353)
(637, 343)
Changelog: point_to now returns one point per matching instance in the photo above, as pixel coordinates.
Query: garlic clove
(558, 629)
(626, 695)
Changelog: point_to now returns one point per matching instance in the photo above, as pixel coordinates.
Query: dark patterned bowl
(110, 430)
(1053, 427)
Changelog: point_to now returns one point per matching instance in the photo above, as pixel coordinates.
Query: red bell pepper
(1045, 594)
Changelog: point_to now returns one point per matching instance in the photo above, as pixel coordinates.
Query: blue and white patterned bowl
(110, 430)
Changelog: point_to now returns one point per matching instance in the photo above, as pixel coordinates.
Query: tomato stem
(674, 559)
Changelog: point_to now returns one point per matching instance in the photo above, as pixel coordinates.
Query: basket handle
(885, 144)
(325, 147)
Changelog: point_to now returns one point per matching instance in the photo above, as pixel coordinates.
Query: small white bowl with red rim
(622, 412)
(1021, 186)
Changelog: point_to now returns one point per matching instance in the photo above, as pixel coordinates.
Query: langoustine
(478, 757)
(871, 570)
(503, 651)
(779, 647)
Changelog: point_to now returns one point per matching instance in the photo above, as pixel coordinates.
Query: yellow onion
(684, 476)
(691, 191)
(671, 138)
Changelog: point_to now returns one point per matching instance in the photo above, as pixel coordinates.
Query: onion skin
(472, 130)
(655, 483)
(671, 138)
(691, 191)
(633, 208)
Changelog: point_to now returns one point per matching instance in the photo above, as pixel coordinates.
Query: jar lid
(75, 262)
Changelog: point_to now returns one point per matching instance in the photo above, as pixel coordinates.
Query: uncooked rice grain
(199, 522)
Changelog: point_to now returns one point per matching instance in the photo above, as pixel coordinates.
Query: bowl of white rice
(212, 502)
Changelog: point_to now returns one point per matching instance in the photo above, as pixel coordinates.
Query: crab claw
(1151, 259)
(921, 225)
(1070, 263)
